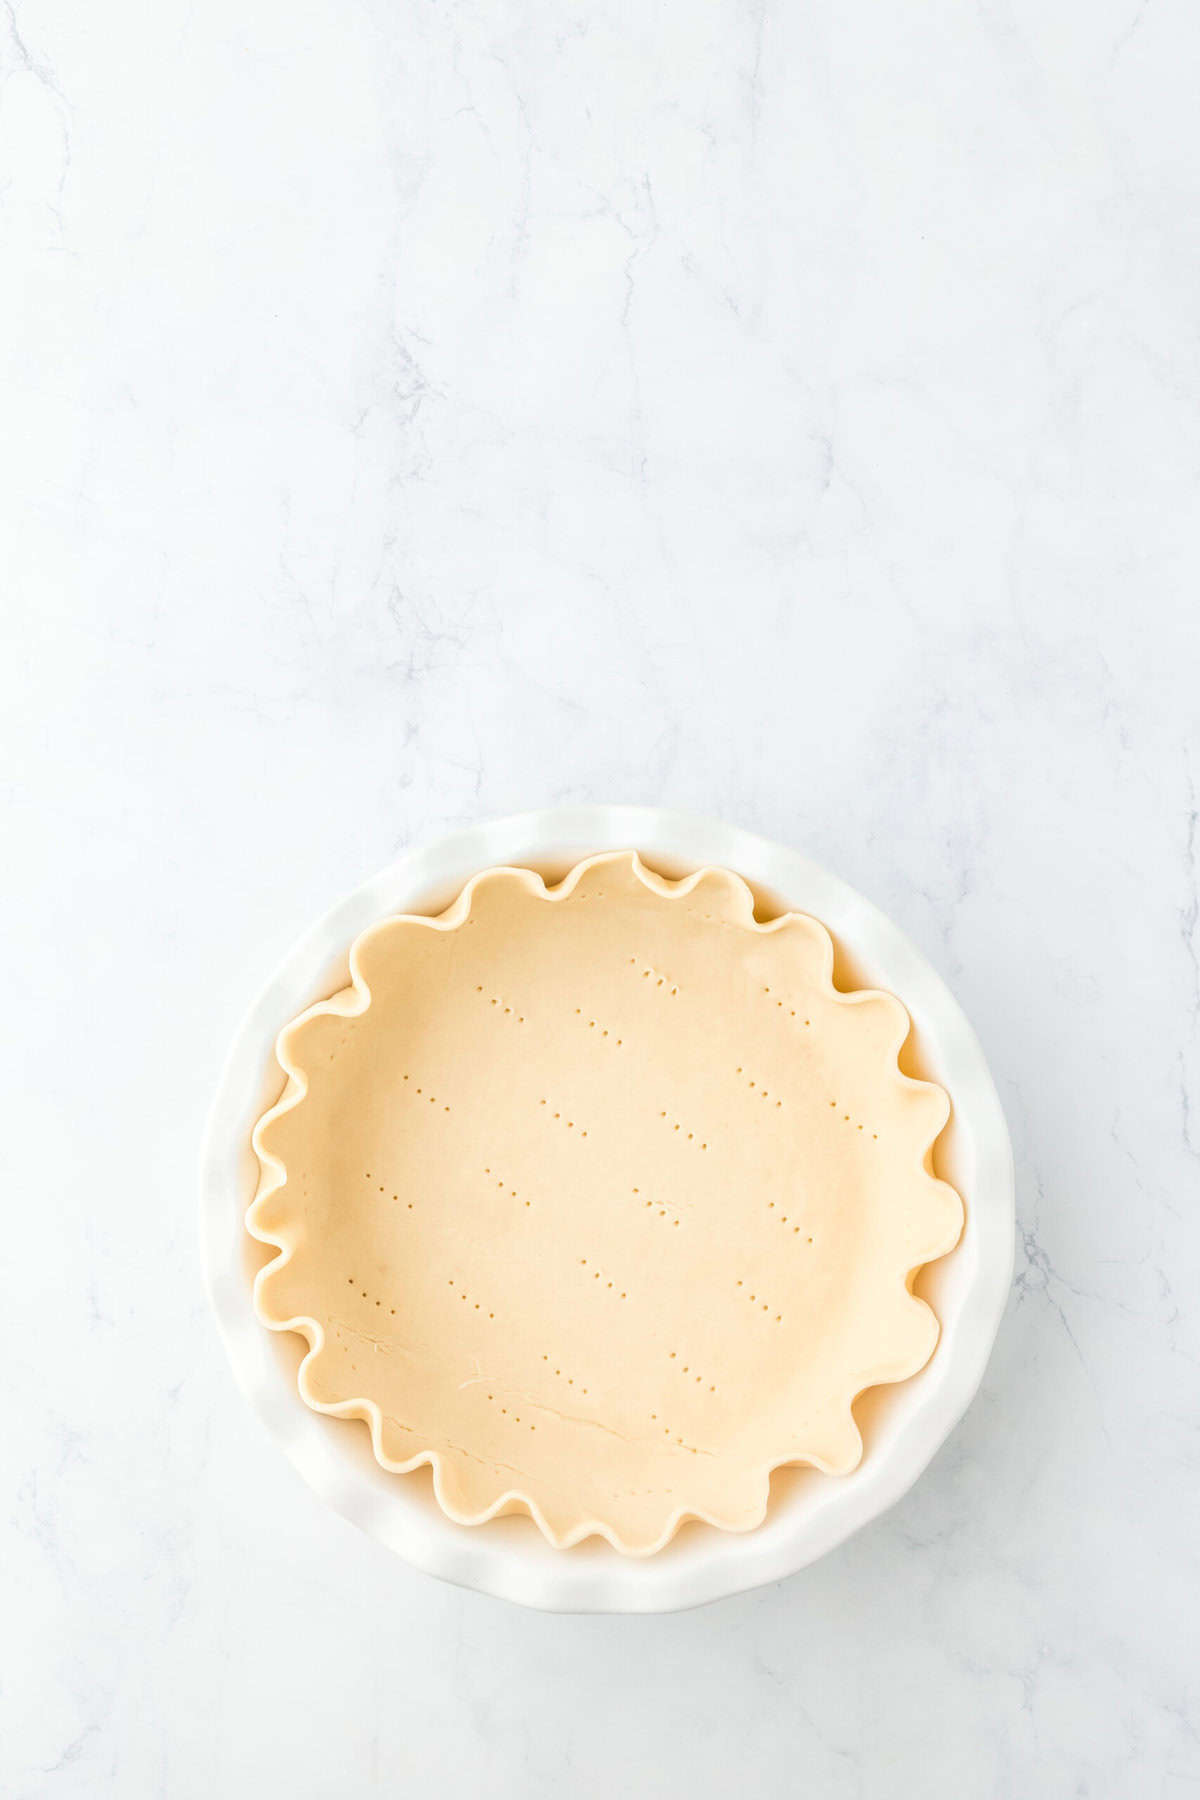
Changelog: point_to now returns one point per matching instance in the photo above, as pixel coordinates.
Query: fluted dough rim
(354, 1000)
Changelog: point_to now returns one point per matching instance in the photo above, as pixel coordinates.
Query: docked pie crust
(601, 1200)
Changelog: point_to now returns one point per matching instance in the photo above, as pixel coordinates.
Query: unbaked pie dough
(601, 1200)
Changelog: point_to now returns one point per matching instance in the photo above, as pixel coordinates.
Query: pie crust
(601, 1200)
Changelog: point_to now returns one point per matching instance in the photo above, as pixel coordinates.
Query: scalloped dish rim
(512, 1561)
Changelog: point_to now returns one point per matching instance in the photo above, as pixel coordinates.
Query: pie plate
(903, 1425)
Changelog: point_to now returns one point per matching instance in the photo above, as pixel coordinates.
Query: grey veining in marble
(411, 412)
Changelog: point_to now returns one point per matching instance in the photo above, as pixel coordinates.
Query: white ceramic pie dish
(903, 1426)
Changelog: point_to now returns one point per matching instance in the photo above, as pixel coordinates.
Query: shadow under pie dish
(601, 1200)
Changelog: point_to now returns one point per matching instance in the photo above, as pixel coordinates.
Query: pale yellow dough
(602, 1200)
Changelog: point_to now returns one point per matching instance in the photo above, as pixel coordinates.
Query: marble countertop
(415, 412)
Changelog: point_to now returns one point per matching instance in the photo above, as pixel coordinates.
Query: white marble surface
(410, 412)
